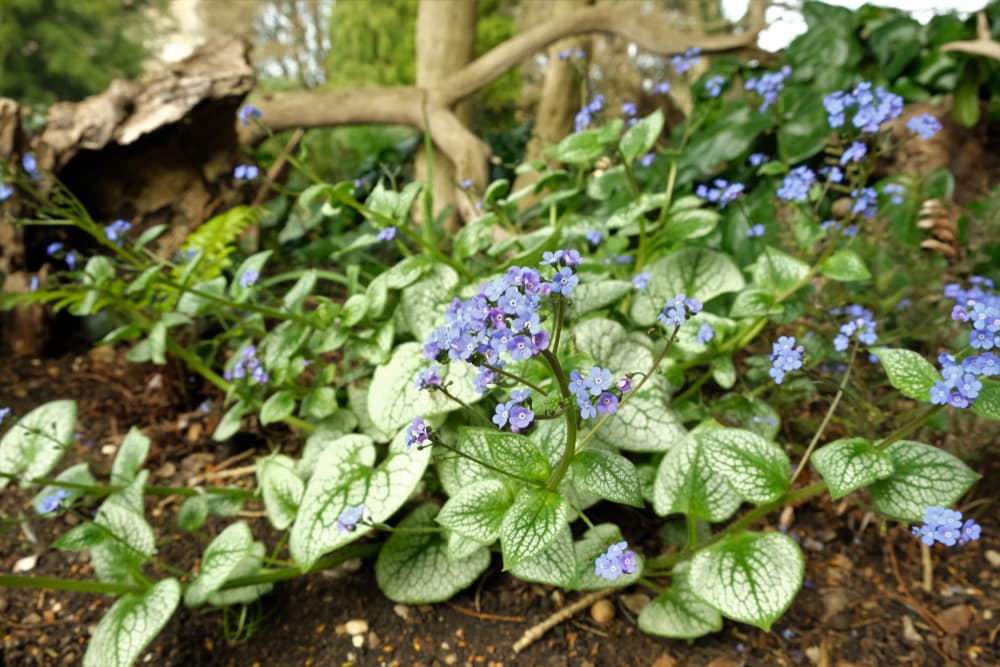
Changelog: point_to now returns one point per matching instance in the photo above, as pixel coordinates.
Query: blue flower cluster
(518, 416)
(247, 363)
(417, 433)
(862, 323)
(116, 230)
(769, 86)
(585, 116)
(945, 526)
(685, 61)
(832, 173)
(597, 384)
(348, 520)
(872, 107)
(721, 192)
(615, 562)
(676, 310)
(979, 306)
(848, 230)
(429, 377)
(53, 501)
(785, 357)
(713, 86)
(960, 384)
(865, 202)
(925, 125)
(795, 186)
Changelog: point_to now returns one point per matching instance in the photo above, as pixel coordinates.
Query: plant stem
(60, 584)
(827, 416)
(909, 427)
(789, 498)
(488, 466)
(635, 390)
(516, 378)
(570, 449)
(341, 555)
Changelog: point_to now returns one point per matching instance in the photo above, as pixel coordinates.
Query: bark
(157, 150)
(560, 97)
(439, 97)
(446, 41)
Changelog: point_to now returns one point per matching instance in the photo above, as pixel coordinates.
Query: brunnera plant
(587, 357)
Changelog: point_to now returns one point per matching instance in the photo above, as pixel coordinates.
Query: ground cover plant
(641, 336)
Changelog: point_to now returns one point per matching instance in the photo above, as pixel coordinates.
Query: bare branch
(650, 33)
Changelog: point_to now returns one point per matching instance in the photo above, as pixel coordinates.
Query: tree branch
(650, 33)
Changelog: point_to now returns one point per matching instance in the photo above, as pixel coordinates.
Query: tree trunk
(446, 41)
(560, 97)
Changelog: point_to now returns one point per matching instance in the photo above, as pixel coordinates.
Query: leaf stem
(570, 449)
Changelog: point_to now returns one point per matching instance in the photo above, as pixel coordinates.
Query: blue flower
(349, 518)
(945, 526)
(564, 281)
(245, 172)
(624, 384)
(33, 286)
(30, 165)
(685, 61)
(429, 377)
(205, 407)
(640, 280)
(662, 88)
(3, 414)
(629, 109)
(615, 562)
(248, 363)
(116, 229)
(756, 231)
(249, 112)
(417, 433)
(501, 413)
(597, 381)
(757, 159)
(854, 153)
(706, 333)
(53, 501)
(594, 236)
(387, 234)
(713, 86)
(249, 277)
(70, 260)
(5, 191)
(607, 403)
(647, 159)
(785, 356)
(520, 418)
(796, 184)
(924, 125)
(52, 248)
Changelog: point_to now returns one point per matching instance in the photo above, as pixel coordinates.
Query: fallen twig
(534, 633)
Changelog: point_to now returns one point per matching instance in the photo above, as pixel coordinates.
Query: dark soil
(863, 602)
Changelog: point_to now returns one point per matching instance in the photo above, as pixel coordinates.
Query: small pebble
(602, 611)
(910, 633)
(358, 641)
(993, 557)
(402, 611)
(356, 626)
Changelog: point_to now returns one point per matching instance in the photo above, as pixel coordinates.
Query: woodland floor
(863, 602)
